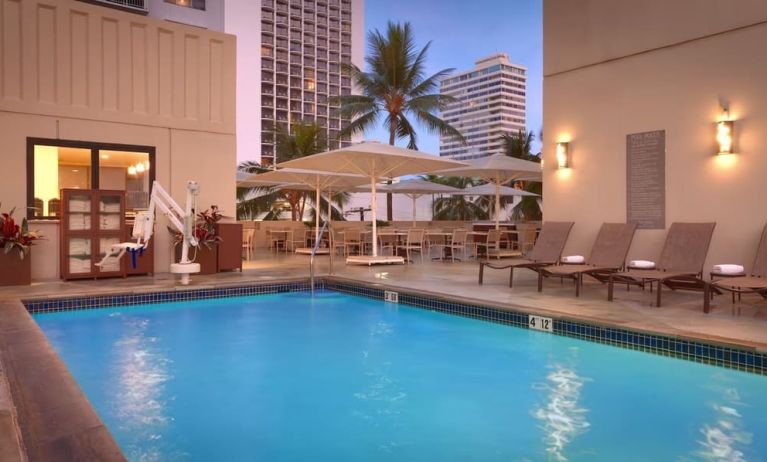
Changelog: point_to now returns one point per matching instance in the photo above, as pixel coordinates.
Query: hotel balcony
(268, 4)
(135, 6)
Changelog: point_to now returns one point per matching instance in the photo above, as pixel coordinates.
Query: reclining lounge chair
(681, 261)
(547, 251)
(608, 255)
(755, 283)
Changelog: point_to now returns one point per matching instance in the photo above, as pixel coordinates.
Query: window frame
(94, 147)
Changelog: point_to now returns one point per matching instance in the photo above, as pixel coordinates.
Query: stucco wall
(75, 71)
(686, 59)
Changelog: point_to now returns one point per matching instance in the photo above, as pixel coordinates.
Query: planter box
(15, 271)
(206, 257)
(230, 247)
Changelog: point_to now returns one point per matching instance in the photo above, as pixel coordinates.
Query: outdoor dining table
(287, 233)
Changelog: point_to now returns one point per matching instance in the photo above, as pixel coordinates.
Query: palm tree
(304, 139)
(396, 88)
(520, 145)
(458, 207)
(254, 202)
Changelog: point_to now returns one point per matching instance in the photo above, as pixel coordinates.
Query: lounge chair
(608, 255)
(756, 282)
(547, 251)
(681, 261)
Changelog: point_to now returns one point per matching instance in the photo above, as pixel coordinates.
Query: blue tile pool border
(730, 357)
(88, 302)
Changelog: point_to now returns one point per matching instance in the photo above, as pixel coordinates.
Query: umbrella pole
(317, 213)
(497, 203)
(331, 244)
(373, 207)
(414, 197)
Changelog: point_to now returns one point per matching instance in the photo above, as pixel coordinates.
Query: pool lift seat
(181, 219)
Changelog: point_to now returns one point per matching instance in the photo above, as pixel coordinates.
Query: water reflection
(382, 398)
(562, 417)
(141, 370)
(724, 438)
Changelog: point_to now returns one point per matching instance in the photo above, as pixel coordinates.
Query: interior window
(86, 165)
(57, 168)
(126, 171)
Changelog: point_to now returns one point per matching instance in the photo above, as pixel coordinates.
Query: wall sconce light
(725, 129)
(563, 154)
(131, 170)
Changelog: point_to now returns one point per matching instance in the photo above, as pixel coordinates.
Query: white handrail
(314, 252)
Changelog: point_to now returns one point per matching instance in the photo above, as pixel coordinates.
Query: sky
(461, 31)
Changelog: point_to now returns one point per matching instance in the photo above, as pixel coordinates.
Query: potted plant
(206, 252)
(15, 243)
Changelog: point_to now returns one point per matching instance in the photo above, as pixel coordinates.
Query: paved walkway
(744, 323)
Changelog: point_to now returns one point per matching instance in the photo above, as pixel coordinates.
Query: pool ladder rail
(314, 254)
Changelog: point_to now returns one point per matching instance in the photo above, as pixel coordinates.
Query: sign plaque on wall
(646, 179)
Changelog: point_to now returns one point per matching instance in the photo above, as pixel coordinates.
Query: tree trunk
(389, 198)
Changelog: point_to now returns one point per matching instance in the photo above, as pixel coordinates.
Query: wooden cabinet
(230, 247)
(91, 222)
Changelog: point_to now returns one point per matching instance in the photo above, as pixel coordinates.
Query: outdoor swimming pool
(335, 377)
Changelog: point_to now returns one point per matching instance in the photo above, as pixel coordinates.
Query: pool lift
(182, 219)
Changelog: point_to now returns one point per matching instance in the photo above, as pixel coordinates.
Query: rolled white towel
(729, 269)
(575, 259)
(642, 264)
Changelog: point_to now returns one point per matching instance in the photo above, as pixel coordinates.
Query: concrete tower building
(289, 54)
(491, 102)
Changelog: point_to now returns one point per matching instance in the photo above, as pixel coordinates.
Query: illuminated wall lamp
(563, 155)
(724, 135)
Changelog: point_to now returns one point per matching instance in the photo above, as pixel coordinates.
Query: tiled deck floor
(681, 314)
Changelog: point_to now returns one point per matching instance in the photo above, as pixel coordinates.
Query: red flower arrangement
(204, 228)
(14, 236)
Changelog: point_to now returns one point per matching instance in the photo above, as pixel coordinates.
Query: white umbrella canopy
(488, 189)
(497, 169)
(377, 162)
(413, 189)
(317, 180)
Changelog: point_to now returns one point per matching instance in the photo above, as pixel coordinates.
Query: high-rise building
(290, 67)
(491, 101)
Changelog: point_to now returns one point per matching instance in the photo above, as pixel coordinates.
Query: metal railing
(139, 6)
(314, 253)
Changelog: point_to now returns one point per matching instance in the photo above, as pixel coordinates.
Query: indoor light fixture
(131, 170)
(563, 154)
(724, 133)
(140, 167)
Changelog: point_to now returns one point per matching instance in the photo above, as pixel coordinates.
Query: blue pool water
(288, 377)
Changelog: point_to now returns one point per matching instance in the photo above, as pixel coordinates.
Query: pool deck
(40, 422)
(743, 324)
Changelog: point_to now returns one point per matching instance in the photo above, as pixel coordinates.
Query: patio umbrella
(413, 189)
(498, 169)
(489, 189)
(290, 178)
(377, 162)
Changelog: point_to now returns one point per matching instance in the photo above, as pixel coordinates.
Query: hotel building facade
(490, 102)
(608, 82)
(98, 98)
(289, 67)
